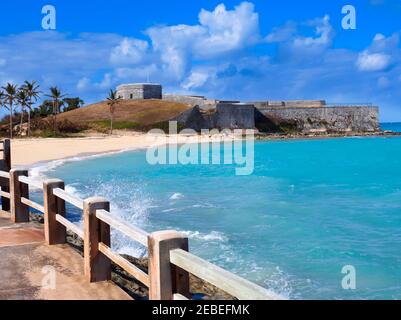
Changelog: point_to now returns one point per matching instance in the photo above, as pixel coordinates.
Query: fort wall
(327, 119)
(138, 91)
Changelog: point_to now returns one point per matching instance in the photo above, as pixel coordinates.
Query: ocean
(310, 208)
(391, 126)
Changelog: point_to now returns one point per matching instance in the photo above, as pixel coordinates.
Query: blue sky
(252, 50)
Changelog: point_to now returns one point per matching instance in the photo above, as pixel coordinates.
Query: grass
(129, 114)
(118, 125)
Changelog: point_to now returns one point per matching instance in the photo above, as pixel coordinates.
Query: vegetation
(24, 119)
(26, 111)
(31, 90)
(57, 101)
(72, 104)
(10, 97)
(112, 101)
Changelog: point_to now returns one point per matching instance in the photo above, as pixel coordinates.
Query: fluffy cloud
(213, 57)
(291, 40)
(129, 51)
(372, 61)
(219, 32)
(324, 34)
(55, 58)
(197, 79)
(379, 54)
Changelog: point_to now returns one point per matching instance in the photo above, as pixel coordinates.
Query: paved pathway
(26, 263)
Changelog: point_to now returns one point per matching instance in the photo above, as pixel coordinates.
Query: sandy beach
(27, 152)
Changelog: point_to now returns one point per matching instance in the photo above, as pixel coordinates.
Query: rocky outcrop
(326, 119)
(283, 119)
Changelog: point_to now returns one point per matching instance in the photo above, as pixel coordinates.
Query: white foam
(177, 196)
(212, 236)
(132, 204)
(70, 188)
(41, 169)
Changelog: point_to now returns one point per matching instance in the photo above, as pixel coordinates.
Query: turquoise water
(310, 208)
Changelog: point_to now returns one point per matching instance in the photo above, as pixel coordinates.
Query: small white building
(138, 91)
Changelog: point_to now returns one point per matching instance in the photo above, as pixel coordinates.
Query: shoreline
(48, 150)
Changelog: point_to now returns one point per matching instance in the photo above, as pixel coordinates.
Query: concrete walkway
(27, 266)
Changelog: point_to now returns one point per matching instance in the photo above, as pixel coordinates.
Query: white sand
(26, 152)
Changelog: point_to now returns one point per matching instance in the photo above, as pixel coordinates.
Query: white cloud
(323, 30)
(383, 82)
(196, 79)
(212, 57)
(282, 33)
(379, 37)
(83, 83)
(106, 82)
(227, 30)
(219, 32)
(129, 51)
(372, 61)
(290, 33)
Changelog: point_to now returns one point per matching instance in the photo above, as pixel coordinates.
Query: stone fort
(306, 116)
(135, 91)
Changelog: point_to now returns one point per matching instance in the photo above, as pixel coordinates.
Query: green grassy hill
(129, 114)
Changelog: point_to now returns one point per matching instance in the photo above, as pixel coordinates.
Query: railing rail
(125, 264)
(225, 280)
(5, 194)
(169, 260)
(135, 233)
(31, 182)
(33, 204)
(64, 195)
(4, 174)
(70, 226)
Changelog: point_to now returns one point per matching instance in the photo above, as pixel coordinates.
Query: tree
(23, 101)
(44, 110)
(56, 97)
(2, 102)
(113, 100)
(2, 99)
(32, 91)
(72, 104)
(10, 98)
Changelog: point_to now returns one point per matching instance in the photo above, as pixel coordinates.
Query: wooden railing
(169, 260)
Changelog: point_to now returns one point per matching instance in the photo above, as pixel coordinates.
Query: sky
(236, 50)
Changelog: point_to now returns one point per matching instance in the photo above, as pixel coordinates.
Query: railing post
(5, 184)
(55, 232)
(7, 154)
(19, 211)
(165, 278)
(97, 266)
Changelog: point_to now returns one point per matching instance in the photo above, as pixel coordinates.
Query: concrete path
(29, 269)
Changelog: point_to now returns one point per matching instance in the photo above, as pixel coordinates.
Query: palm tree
(113, 100)
(2, 99)
(23, 100)
(10, 98)
(32, 91)
(57, 97)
